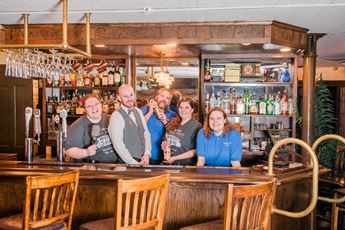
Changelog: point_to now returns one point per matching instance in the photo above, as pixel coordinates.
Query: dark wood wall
(15, 95)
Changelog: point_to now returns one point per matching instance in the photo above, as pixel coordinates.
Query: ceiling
(319, 16)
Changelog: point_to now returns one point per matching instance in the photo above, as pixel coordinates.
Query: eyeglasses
(92, 106)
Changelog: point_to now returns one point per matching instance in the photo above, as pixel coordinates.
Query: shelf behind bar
(244, 84)
(84, 88)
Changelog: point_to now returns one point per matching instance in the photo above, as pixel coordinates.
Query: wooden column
(341, 116)
(309, 69)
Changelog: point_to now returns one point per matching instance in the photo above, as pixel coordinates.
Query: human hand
(145, 160)
(170, 161)
(164, 145)
(91, 150)
(163, 118)
(152, 104)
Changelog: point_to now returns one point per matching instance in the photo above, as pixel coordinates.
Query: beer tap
(37, 125)
(62, 137)
(28, 140)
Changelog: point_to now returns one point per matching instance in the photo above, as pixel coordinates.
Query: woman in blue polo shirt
(218, 144)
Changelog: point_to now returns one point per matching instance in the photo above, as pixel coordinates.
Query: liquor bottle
(269, 105)
(207, 102)
(87, 80)
(226, 103)
(233, 102)
(252, 104)
(283, 106)
(276, 105)
(290, 106)
(246, 99)
(213, 100)
(80, 80)
(117, 76)
(110, 79)
(262, 106)
(122, 76)
(240, 105)
(97, 80)
(207, 70)
(72, 78)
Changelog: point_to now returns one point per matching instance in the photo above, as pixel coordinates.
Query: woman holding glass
(218, 143)
(181, 135)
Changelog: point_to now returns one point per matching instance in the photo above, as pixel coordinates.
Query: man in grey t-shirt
(83, 143)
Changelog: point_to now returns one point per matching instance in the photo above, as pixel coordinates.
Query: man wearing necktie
(128, 130)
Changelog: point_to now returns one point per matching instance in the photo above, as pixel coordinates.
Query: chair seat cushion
(103, 224)
(15, 223)
(214, 225)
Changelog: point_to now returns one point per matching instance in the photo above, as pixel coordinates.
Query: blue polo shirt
(157, 132)
(219, 150)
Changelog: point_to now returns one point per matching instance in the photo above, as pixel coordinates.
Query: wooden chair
(140, 204)
(49, 203)
(246, 207)
(338, 211)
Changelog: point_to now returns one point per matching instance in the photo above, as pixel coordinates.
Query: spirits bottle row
(73, 103)
(110, 76)
(246, 102)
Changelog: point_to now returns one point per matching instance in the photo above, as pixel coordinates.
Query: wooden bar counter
(195, 194)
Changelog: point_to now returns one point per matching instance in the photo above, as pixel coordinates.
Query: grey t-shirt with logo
(183, 139)
(79, 135)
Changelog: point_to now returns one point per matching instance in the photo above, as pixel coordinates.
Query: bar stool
(140, 204)
(246, 207)
(49, 203)
(338, 211)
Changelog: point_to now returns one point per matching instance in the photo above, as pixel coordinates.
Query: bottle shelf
(287, 130)
(247, 84)
(84, 87)
(256, 115)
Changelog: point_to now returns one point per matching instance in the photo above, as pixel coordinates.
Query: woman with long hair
(218, 143)
(181, 134)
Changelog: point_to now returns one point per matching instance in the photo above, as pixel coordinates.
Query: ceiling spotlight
(246, 44)
(171, 44)
(100, 46)
(285, 49)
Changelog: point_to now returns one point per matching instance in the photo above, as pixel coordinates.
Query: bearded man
(157, 114)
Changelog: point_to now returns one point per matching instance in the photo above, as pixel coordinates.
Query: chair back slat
(127, 209)
(145, 197)
(143, 207)
(149, 207)
(45, 201)
(37, 198)
(249, 207)
(135, 208)
(59, 199)
(52, 201)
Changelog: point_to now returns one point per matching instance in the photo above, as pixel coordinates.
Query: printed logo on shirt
(227, 144)
(172, 140)
(103, 139)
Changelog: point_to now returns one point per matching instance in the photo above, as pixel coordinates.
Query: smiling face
(127, 96)
(217, 121)
(185, 110)
(93, 108)
(163, 99)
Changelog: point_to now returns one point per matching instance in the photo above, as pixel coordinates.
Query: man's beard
(129, 104)
(163, 105)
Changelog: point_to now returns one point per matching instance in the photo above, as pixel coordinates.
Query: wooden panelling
(143, 39)
(15, 95)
